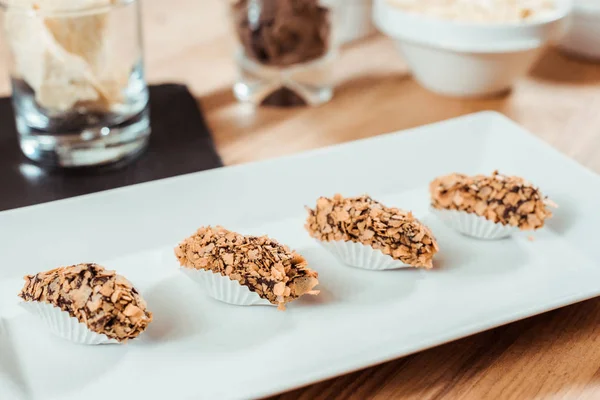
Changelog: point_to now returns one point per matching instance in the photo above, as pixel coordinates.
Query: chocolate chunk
(363, 220)
(508, 200)
(266, 267)
(85, 292)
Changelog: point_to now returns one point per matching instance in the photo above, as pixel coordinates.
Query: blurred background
(193, 42)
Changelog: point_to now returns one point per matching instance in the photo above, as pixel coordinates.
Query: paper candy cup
(62, 324)
(224, 289)
(474, 225)
(362, 256)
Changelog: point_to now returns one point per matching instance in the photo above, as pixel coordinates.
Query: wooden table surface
(554, 355)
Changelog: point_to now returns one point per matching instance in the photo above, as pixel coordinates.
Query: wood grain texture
(555, 355)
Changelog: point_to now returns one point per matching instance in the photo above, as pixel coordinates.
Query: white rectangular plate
(200, 348)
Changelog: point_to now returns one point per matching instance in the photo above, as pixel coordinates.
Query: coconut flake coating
(105, 302)
(508, 200)
(394, 232)
(266, 267)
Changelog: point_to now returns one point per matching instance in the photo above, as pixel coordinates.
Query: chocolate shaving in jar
(282, 32)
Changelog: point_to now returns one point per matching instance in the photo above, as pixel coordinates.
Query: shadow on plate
(564, 216)
(342, 284)
(169, 302)
(183, 314)
(12, 382)
(230, 329)
(38, 359)
(466, 257)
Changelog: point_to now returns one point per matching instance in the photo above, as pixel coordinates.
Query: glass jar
(286, 48)
(78, 88)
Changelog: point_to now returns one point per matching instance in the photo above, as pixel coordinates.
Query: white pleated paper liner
(362, 256)
(224, 289)
(474, 225)
(64, 325)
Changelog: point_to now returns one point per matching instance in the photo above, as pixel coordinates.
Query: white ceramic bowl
(583, 36)
(468, 59)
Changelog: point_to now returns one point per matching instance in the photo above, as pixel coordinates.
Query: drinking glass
(77, 77)
(285, 50)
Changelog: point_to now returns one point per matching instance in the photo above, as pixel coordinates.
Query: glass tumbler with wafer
(78, 88)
